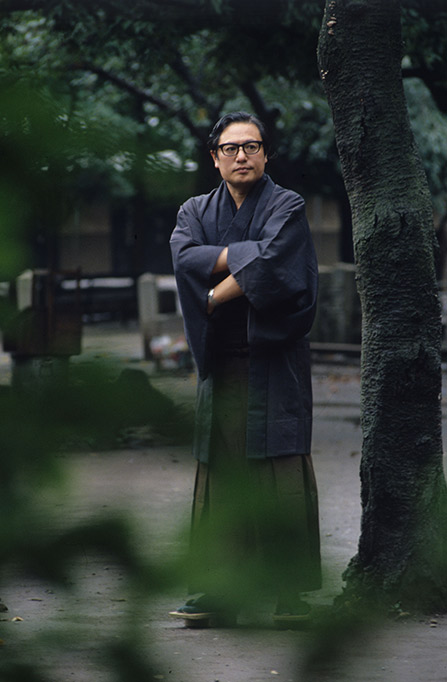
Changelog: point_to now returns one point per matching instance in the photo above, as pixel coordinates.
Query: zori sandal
(291, 617)
(204, 612)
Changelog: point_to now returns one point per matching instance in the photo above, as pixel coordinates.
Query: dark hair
(236, 117)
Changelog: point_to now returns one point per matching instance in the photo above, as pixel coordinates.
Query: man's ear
(214, 155)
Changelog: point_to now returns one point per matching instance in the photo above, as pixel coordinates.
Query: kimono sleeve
(193, 261)
(276, 267)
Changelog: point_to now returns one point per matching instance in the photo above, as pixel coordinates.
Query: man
(247, 279)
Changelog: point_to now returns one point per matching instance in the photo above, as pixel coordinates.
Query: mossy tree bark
(401, 556)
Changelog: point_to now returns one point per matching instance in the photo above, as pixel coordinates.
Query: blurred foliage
(47, 151)
(38, 543)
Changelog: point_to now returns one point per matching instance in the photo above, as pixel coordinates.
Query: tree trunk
(402, 548)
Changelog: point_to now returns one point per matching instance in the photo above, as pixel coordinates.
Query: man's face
(243, 170)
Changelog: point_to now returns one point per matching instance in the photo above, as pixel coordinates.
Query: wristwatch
(211, 300)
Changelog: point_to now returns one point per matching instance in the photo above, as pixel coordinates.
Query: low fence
(338, 319)
(159, 315)
(52, 306)
(337, 330)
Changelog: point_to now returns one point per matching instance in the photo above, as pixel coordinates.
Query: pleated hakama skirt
(255, 527)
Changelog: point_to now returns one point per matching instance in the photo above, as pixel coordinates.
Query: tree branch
(181, 69)
(144, 95)
(148, 8)
(266, 114)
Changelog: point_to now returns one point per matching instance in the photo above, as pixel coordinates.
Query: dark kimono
(254, 398)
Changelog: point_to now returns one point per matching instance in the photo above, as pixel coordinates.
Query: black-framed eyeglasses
(232, 149)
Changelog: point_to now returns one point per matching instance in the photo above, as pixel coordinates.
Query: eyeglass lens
(251, 147)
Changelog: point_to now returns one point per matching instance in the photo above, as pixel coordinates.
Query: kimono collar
(232, 224)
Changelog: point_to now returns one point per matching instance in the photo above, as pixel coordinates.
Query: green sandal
(204, 611)
(292, 616)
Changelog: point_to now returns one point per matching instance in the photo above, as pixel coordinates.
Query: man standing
(247, 279)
